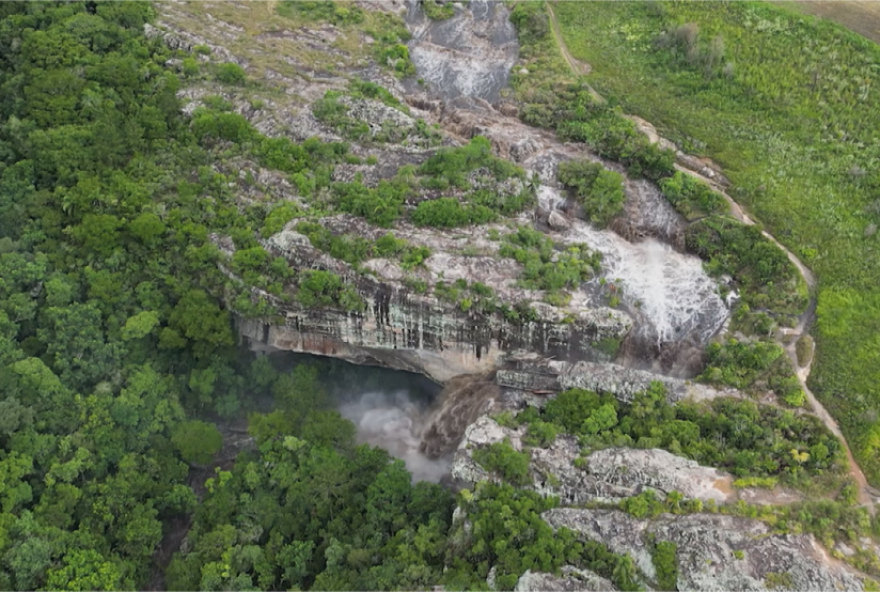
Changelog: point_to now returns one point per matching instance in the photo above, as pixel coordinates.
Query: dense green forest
(785, 103)
(118, 360)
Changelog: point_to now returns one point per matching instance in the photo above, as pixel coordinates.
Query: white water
(393, 421)
(670, 290)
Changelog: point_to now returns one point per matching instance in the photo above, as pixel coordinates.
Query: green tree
(196, 440)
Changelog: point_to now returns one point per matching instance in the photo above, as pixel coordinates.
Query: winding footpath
(867, 496)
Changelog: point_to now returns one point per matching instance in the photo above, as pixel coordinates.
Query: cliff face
(420, 333)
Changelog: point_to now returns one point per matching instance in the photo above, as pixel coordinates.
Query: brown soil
(859, 16)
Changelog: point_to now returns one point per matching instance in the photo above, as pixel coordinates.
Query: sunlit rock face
(468, 56)
(715, 552)
(420, 333)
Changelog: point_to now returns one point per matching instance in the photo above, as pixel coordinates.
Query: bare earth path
(867, 496)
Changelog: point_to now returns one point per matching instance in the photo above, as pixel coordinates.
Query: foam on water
(670, 290)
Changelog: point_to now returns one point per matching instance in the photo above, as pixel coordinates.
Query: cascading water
(673, 300)
(394, 421)
(466, 61)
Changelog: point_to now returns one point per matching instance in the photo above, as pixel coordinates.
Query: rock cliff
(715, 552)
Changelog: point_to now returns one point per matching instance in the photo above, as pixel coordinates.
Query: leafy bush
(438, 11)
(753, 366)
(229, 73)
(381, 205)
(531, 21)
(600, 191)
(691, 197)
(231, 127)
(278, 218)
(767, 277)
(329, 11)
(448, 212)
(545, 268)
(740, 436)
(448, 166)
(319, 288)
(664, 556)
(501, 458)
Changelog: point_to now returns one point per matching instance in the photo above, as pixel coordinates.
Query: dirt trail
(578, 67)
(867, 496)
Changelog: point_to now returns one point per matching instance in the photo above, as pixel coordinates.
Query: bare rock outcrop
(402, 329)
(571, 579)
(605, 475)
(715, 552)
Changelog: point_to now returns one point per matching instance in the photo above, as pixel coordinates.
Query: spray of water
(668, 290)
(394, 421)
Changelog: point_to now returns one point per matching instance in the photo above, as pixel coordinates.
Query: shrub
(501, 458)
(544, 268)
(319, 288)
(600, 191)
(279, 217)
(230, 73)
(691, 197)
(664, 556)
(448, 166)
(222, 126)
(540, 433)
(438, 11)
(448, 212)
(767, 277)
(381, 205)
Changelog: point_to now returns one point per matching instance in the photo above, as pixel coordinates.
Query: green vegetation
(324, 288)
(779, 100)
(380, 205)
(830, 521)
(506, 531)
(804, 350)
(691, 197)
(768, 278)
(600, 191)
(438, 11)
(501, 458)
(545, 267)
(231, 74)
(335, 113)
(738, 436)
(448, 167)
(355, 249)
(664, 556)
(753, 366)
(448, 212)
(338, 13)
(490, 186)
